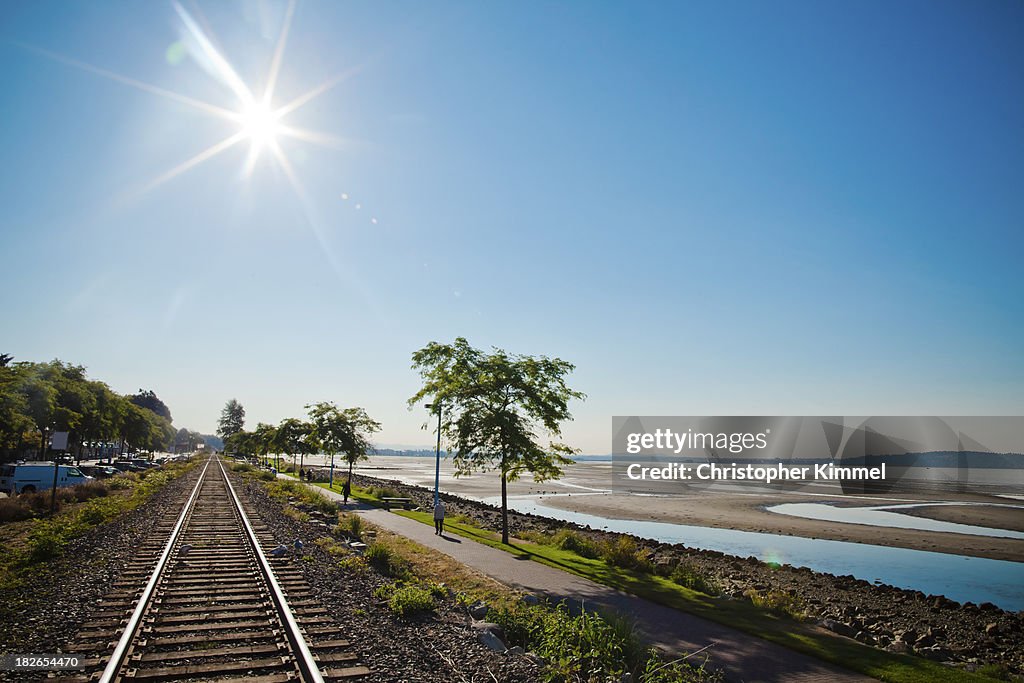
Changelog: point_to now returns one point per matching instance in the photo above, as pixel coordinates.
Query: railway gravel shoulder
(438, 646)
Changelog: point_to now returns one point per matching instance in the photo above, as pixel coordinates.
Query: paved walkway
(744, 657)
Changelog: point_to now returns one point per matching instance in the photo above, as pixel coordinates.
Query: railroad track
(205, 601)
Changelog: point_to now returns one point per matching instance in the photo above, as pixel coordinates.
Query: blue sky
(709, 208)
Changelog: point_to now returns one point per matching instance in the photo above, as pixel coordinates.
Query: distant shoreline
(727, 510)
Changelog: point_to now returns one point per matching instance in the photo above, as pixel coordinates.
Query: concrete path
(742, 656)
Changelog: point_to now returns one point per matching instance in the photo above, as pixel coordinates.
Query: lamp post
(437, 462)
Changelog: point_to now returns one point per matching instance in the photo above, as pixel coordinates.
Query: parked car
(145, 464)
(38, 476)
(99, 471)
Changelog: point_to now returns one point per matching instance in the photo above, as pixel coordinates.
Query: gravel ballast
(428, 647)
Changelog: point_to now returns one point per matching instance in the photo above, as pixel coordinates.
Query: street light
(437, 462)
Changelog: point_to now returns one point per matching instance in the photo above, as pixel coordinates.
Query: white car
(37, 476)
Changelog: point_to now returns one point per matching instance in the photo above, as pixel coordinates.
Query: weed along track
(208, 601)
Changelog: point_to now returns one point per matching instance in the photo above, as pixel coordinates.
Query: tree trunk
(504, 508)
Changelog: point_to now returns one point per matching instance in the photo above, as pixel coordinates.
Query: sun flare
(259, 124)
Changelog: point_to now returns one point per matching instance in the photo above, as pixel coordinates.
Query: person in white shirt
(439, 517)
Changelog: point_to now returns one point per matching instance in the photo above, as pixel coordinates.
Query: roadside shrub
(352, 525)
(90, 489)
(324, 505)
(570, 540)
(241, 467)
(690, 577)
(588, 646)
(282, 489)
(382, 492)
(66, 494)
(656, 670)
(438, 590)
(523, 624)
(38, 502)
(778, 602)
(11, 510)
(98, 511)
(409, 600)
(583, 647)
(623, 551)
(49, 538)
(354, 563)
(121, 482)
(386, 561)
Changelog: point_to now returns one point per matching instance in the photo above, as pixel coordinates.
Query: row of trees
(38, 399)
(495, 411)
(330, 430)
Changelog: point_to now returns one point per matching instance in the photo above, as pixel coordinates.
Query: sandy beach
(585, 488)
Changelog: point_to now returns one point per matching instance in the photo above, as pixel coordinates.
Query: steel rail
(121, 650)
(308, 667)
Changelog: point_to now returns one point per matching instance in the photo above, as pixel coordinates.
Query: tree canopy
(37, 399)
(492, 406)
(148, 399)
(346, 431)
(232, 419)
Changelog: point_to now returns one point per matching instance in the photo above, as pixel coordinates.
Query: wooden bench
(404, 503)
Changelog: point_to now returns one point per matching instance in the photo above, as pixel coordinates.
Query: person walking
(439, 518)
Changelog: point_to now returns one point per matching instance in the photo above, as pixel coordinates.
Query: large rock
(478, 610)
(897, 646)
(492, 641)
(489, 627)
(837, 627)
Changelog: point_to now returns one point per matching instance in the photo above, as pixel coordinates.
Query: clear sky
(710, 208)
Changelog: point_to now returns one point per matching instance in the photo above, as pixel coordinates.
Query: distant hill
(213, 441)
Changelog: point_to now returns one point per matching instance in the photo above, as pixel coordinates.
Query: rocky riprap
(882, 616)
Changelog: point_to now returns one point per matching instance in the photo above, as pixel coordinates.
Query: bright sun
(259, 124)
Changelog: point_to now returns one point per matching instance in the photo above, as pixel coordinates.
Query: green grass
(371, 496)
(739, 614)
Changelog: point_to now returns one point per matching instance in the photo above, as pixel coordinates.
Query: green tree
(147, 399)
(241, 442)
(492, 404)
(100, 420)
(14, 409)
(345, 431)
(263, 440)
(232, 419)
(292, 437)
